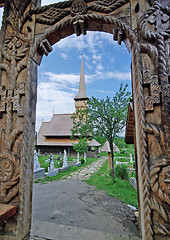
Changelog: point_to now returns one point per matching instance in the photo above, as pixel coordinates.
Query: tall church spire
(81, 98)
(82, 95)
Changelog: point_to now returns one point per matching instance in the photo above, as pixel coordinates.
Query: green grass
(45, 165)
(120, 189)
(60, 175)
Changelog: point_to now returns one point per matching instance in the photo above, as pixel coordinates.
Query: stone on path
(86, 172)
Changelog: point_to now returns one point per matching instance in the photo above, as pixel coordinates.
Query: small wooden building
(106, 148)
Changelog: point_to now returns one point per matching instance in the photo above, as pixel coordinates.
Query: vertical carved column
(17, 117)
(153, 29)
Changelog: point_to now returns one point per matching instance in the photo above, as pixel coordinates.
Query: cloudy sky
(106, 66)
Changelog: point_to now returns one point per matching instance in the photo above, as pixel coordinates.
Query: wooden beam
(6, 211)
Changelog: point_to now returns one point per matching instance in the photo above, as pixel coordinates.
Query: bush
(82, 160)
(121, 171)
(61, 164)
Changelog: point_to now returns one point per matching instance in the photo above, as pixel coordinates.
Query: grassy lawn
(61, 174)
(120, 189)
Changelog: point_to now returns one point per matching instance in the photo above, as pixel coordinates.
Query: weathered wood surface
(6, 211)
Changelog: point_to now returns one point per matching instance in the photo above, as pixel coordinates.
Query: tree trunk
(112, 157)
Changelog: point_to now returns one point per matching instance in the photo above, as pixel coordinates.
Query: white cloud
(50, 99)
(97, 57)
(106, 91)
(100, 67)
(64, 79)
(1, 15)
(64, 56)
(91, 40)
(123, 76)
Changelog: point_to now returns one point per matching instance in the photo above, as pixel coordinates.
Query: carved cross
(12, 99)
(159, 19)
(155, 90)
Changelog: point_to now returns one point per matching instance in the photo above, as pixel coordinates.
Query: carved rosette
(9, 179)
(78, 7)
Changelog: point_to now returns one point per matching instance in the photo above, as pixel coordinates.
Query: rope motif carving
(55, 12)
(158, 37)
(158, 16)
(107, 6)
(60, 5)
(143, 148)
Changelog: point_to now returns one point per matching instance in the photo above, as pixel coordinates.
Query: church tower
(81, 98)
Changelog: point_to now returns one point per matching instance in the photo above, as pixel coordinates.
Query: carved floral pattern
(78, 7)
(6, 170)
(9, 179)
(160, 183)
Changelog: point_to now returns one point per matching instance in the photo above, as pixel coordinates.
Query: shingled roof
(94, 143)
(60, 125)
(106, 148)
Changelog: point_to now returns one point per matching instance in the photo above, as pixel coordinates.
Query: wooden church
(55, 136)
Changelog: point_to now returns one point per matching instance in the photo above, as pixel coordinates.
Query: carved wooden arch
(27, 33)
(121, 32)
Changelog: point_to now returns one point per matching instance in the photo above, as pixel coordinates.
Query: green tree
(82, 146)
(82, 129)
(108, 116)
(82, 125)
(103, 117)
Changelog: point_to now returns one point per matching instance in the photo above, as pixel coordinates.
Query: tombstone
(38, 171)
(131, 158)
(65, 166)
(78, 160)
(51, 170)
(51, 164)
(65, 159)
(36, 162)
(39, 155)
(85, 157)
(51, 167)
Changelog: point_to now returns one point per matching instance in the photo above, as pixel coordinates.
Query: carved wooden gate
(27, 33)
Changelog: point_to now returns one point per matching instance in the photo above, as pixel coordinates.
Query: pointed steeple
(82, 95)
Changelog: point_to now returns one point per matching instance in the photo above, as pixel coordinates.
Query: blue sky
(106, 66)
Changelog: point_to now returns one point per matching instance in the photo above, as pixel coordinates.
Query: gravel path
(86, 172)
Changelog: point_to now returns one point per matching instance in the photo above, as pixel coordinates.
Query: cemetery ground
(100, 178)
(64, 208)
